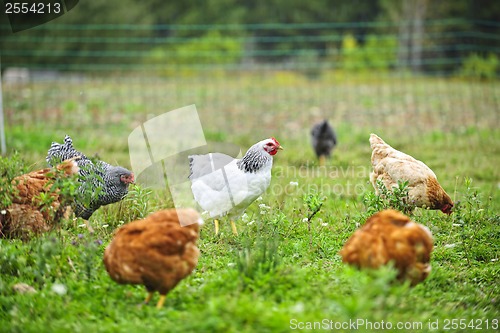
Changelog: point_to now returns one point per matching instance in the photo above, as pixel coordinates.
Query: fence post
(3, 146)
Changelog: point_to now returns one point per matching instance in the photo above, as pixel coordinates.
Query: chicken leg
(322, 160)
(159, 305)
(216, 222)
(233, 227)
(148, 297)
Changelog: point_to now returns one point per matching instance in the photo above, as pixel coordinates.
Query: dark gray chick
(323, 140)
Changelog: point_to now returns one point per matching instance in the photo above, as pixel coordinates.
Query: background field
(450, 124)
(97, 82)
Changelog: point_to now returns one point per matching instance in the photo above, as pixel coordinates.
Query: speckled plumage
(98, 178)
(223, 185)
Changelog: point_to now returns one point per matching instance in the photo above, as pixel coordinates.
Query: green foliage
(352, 54)
(62, 188)
(10, 167)
(90, 249)
(65, 189)
(380, 52)
(377, 53)
(212, 48)
(45, 255)
(136, 205)
(257, 259)
(395, 198)
(313, 201)
(375, 290)
(300, 282)
(470, 215)
(477, 67)
(12, 258)
(89, 177)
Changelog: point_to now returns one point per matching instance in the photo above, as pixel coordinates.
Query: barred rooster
(223, 185)
(107, 183)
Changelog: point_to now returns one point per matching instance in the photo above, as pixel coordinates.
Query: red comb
(275, 141)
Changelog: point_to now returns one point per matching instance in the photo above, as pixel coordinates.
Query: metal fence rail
(285, 76)
(443, 46)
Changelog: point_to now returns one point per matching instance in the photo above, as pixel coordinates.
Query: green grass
(281, 272)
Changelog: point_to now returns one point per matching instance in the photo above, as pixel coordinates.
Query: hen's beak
(280, 148)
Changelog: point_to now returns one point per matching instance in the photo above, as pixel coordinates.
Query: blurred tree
(81, 36)
(92, 38)
(409, 16)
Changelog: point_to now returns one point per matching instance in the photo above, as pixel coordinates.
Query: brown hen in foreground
(156, 252)
(389, 236)
(391, 166)
(29, 214)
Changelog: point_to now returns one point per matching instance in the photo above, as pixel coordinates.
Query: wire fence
(364, 74)
(442, 47)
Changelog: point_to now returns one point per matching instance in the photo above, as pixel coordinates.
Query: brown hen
(156, 252)
(391, 165)
(389, 236)
(28, 214)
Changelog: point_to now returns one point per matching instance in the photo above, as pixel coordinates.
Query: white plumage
(222, 185)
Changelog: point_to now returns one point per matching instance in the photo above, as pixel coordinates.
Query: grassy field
(278, 275)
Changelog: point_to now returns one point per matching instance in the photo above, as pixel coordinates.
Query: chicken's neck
(254, 161)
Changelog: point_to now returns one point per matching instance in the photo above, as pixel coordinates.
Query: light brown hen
(29, 214)
(391, 165)
(156, 252)
(389, 236)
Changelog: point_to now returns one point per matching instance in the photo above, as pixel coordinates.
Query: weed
(313, 201)
(396, 198)
(53, 193)
(257, 259)
(275, 276)
(44, 252)
(136, 205)
(88, 259)
(469, 215)
(10, 167)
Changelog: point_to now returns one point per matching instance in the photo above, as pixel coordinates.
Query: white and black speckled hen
(222, 185)
(108, 183)
(323, 140)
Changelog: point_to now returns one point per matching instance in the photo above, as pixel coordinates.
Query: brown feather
(391, 166)
(390, 236)
(28, 215)
(30, 185)
(156, 252)
(437, 195)
(23, 222)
